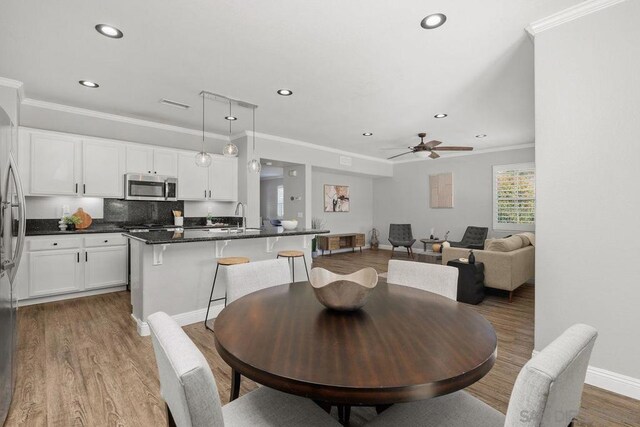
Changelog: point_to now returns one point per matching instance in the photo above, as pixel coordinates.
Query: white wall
(404, 198)
(294, 186)
(360, 218)
(269, 197)
(588, 170)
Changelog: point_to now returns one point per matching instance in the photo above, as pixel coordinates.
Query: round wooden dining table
(405, 344)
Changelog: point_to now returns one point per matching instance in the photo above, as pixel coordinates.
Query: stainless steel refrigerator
(12, 229)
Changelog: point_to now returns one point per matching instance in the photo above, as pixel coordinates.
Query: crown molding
(299, 143)
(575, 12)
(14, 84)
(117, 118)
(471, 153)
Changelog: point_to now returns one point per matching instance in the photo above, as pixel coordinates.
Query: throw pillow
(505, 245)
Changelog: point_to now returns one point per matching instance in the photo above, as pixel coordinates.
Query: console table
(332, 242)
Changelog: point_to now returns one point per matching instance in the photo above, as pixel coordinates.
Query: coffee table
(426, 242)
(430, 257)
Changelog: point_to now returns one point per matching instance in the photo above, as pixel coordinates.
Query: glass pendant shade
(230, 150)
(422, 154)
(203, 159)
(254, 166)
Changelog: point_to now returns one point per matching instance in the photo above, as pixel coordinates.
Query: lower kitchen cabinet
(55, 272)
(105, 266)
(68, 265)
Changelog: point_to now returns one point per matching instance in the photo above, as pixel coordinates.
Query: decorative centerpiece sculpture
(343, 292)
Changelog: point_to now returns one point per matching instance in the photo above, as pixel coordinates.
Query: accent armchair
(401, 235)
(473, 238)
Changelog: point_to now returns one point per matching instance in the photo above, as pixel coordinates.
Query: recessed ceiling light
(109, 31)
(285, 92)
(87, 83)
(440, 116)
(482, 135)
(433, 21)
(230, 118)
(367, 134)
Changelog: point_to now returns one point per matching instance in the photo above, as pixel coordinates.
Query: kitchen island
(172, 271)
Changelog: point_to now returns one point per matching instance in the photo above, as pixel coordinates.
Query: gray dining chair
(243, 279)
(191, 396)
(547, 392)
(439, 279)
(401, 235)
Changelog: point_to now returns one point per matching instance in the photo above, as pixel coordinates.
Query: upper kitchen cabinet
(54, 163)
(193, 180)
(149, 160)
(223, 179)
(102, 168)
(165, 162)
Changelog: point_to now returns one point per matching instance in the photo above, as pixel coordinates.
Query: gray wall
(269, 197)
(360, 217)
(294, 186)
(404, 198)
(588, 157)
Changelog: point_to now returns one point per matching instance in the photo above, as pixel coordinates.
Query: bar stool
(225, 262)
(291, 257)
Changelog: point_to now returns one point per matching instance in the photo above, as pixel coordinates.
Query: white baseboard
(182, 319)
(611, 381)
(42, 300)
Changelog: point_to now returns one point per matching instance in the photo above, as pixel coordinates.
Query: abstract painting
(441, 187)
(336, 198)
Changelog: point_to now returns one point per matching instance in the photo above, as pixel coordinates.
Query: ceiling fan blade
(398, 155)
(453, 148)
(433, 143)
(434, 155)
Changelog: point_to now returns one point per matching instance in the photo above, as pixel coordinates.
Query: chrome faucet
(244, 218)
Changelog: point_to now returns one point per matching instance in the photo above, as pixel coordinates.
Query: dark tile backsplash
(140, 212)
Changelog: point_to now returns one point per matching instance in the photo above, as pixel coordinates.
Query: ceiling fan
(429, 149)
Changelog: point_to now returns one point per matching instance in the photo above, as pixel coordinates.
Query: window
(514, 197)
(280, 201)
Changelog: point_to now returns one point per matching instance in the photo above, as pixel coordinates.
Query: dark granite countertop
(190, 235)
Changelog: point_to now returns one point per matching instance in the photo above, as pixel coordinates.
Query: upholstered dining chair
(244, 279)
(473, 238)
(401, 235)
(191, 396)
(439, 279)
(547, 392)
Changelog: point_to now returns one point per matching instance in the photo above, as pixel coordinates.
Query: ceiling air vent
(175, 104)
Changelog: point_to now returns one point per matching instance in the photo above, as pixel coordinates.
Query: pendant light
(254, 165)
(203, 159)
(230, 150)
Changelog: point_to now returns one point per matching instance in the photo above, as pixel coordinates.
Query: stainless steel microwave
(150, 187)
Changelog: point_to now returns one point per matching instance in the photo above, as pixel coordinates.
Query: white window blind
(280, 201)
(514, 197)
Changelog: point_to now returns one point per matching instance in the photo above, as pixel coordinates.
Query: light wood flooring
(81, 362)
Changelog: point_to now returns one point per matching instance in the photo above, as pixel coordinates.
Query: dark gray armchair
(401, 235)
(473, 238)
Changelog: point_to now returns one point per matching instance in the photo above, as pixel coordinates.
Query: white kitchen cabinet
(223, 179)
(139, 159)
(105, 266)
(193, 180)
(165, 162)
(55, 272)
(102, 169)
(54, 164)
(149, 160)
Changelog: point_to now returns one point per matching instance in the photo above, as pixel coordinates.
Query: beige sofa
(506, 268)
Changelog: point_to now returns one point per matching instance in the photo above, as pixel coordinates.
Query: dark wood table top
(405, 344)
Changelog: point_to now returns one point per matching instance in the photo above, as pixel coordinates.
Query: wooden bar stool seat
(233, 260)
(225, 262)
(291, 257)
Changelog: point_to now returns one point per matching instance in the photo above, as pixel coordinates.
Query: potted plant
(316, 224)
(71, 222)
